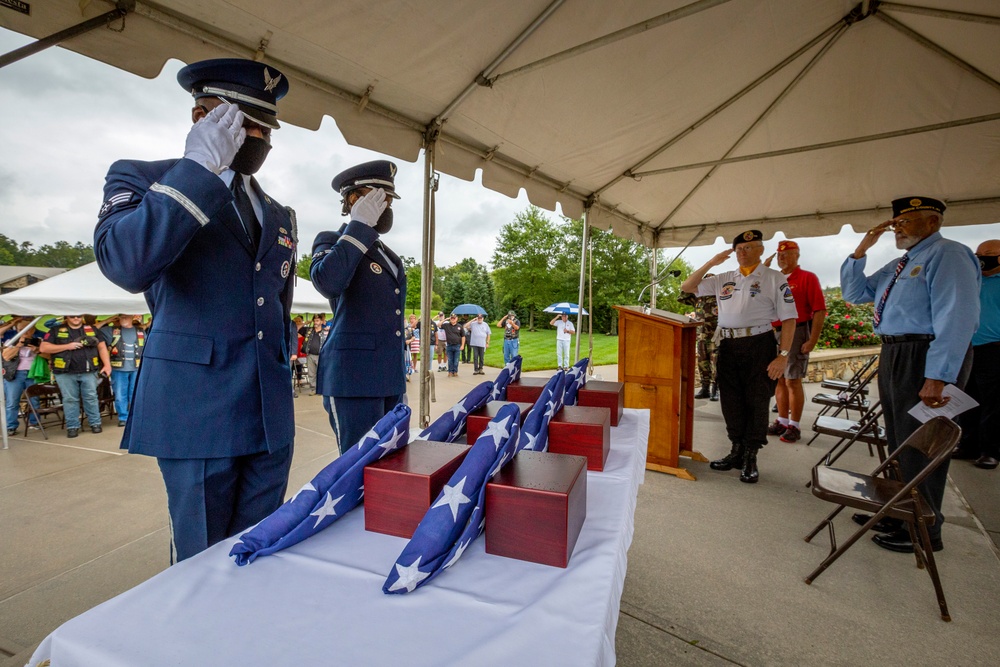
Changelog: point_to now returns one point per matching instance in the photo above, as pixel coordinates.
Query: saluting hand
(214, 139)
(370, 207)
(871, 238)
(767, 262)
(720, 258)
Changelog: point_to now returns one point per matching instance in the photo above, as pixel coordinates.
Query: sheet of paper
(959, 403)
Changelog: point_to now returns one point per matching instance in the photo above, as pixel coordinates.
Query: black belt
(906, 338)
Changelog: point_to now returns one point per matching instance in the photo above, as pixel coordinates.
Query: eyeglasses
(748, 248)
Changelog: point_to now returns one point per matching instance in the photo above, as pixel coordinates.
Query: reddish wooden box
(526, 390)
(401, 487)
(601, 394)
(478, 419)
(583, 432)
(535, 508)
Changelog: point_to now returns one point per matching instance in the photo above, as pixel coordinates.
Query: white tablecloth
(321, 602)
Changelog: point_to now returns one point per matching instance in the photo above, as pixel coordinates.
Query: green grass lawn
(538, 348)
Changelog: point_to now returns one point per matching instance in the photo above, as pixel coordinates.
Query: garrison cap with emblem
(747, 237)
(907, 204)
(253, 86)
(374, 174)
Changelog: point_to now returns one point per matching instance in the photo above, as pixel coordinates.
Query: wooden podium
(656, 360)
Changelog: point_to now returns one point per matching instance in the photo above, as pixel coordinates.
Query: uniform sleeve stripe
(181, 199)
(358, 244)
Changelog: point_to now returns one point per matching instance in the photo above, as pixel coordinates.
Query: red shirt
(807, 293)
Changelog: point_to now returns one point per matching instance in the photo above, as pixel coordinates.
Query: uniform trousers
(745, 390)
(353, 416)
(981, 425)
(900, 378)
(212, 499)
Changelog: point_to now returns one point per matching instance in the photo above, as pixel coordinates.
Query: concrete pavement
(715, 572)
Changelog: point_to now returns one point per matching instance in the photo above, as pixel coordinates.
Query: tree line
(59, 255)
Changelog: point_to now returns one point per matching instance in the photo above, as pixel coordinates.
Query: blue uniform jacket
(215, 379)
(363, 355)
(937, 293)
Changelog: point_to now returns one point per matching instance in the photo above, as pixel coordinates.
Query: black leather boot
(704, 393)
(750, 473)
(715, 393)
(733, 460)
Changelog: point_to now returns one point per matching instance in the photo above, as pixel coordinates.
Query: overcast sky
(66, 118)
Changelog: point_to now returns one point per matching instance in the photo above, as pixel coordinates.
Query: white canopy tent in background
(671, 122)
(86, 290)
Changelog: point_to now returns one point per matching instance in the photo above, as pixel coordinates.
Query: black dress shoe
(72, 432)
(732, 460)
(749, 474)
(899, 542)
(885, 525)
(986, 462)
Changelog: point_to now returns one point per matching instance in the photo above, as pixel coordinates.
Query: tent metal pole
(584, 245)
(722, 107)
(122, 8)
(767, 112)
(938, 49)
(610, 38)
(934, 127)
(653, 260)
(938, 13)
(483, 78)
(427, 286)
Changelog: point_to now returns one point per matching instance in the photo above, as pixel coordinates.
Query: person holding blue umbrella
(564, 335)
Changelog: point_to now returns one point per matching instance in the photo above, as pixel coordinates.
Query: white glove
(214, 140)
(370, 207)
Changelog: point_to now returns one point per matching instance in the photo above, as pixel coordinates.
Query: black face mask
(384, 223)
(988, 262)
(250, 156)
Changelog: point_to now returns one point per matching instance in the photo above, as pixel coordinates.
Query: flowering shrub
(846, 325)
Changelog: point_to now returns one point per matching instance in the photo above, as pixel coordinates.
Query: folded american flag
(535, 431)
(456, 517)
(575, 378)
(510, 373)
(515, 368)
(451, 424)
(336, 490)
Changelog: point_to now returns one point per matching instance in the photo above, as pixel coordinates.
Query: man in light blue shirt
(926, 311)
(981, 425)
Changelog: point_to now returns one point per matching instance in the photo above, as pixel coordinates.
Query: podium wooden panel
(656, 360)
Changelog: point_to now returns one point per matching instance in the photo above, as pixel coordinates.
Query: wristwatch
(783, 353)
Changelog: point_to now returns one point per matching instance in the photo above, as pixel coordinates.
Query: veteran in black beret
(214, 255)
(362, 363)
(749, 362)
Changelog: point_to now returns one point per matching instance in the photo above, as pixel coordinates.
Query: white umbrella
(564, 307)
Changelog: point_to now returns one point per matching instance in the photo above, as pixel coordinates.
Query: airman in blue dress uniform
(214, 256)
(361, 366)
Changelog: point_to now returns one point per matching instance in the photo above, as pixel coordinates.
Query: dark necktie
(885, 295)
(245, 209)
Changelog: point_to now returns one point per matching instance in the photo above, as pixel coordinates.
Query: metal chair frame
(887, 497)
(45, 393)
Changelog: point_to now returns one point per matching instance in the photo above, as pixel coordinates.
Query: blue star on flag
(336, 490)
(456, 517)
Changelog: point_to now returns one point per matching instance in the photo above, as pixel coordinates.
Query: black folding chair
(849, 384)
(886, 496)
(856, 399)
(43, 401)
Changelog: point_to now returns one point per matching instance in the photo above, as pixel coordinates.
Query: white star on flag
(458, 409)
(458, 554)
(409, 577)
(453, 497)
(327, 509)
(581, 379)
(531, 437)
(551, 409)
(370, 434)
(391, 443)
(307, 487)
(498, 431)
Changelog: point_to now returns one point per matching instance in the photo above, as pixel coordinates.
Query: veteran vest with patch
(118, 353)
(84, 360)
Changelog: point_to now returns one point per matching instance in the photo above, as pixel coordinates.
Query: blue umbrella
(468, 309)
(565, 307)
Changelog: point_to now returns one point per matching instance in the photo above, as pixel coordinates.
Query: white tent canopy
(86, 290)
(671, 120)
